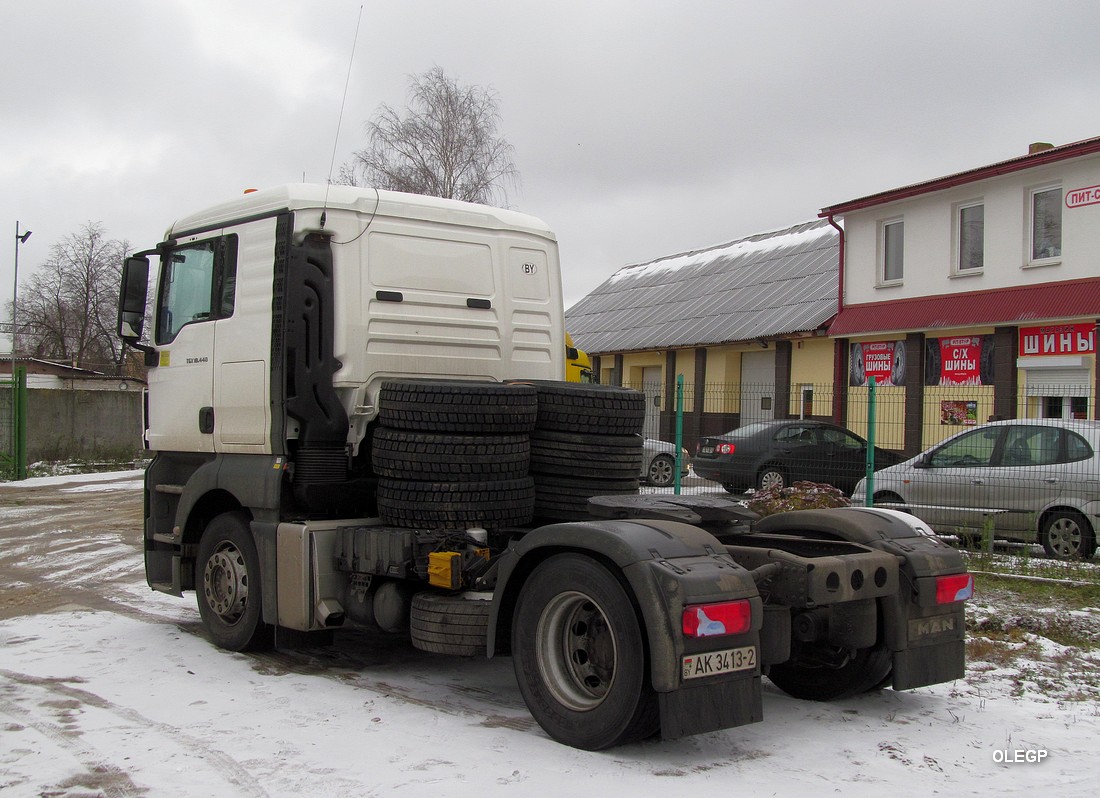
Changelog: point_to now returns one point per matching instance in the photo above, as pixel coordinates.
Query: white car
(1026, 479)
(659, 462)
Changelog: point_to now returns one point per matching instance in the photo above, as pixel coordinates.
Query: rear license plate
(712, 663)
(707, 450)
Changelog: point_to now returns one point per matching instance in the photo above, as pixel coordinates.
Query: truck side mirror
(131, 299)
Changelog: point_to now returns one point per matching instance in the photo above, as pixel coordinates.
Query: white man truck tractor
(358, 416)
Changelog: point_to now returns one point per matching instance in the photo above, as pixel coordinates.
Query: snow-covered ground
(117, 693)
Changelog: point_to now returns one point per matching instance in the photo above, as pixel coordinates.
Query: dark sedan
(778, 453)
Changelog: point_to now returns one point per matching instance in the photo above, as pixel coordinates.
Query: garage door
(757, 386)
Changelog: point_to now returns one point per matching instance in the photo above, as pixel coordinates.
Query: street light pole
(19, 239)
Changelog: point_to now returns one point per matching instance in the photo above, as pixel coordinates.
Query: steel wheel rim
(771, 479)
(576, 651)
(1065, 537)
(225, 582)
(660, 471)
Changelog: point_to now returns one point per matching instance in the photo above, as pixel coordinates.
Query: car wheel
(771, 477)
(889, 498)
(662, 471)
(1066, 535)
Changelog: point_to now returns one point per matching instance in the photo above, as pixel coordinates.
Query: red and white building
(977, 293)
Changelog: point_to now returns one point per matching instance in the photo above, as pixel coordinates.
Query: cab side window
(197, 284)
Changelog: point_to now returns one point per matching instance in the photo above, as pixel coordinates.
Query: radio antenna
(340, 118)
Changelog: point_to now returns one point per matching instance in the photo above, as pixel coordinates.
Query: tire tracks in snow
(113, 778)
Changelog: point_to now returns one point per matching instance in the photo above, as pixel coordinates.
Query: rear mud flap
(925, 665)
(710, 707)
(935, 647)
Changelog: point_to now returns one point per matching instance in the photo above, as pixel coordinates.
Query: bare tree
(68, 306)
(445, 144)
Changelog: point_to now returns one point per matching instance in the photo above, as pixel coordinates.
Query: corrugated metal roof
(1047, 301)
(763, 286)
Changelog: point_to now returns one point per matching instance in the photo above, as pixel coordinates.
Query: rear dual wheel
(579, 656)
(858, 672)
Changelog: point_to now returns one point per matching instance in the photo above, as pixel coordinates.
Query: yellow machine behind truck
(578, 365)
(358, 416)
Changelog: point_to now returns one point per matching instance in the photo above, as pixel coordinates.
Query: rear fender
(666, 565)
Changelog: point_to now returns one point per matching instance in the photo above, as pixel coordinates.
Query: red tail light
(716, 620)
(724, 448)
(956, 587)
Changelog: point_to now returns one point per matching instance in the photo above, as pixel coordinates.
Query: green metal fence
(1033, 479)
(13, 424)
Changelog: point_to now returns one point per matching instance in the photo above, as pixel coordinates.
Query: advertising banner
(958, 412)
(1058, 339)
(883, 360)
(964, 360)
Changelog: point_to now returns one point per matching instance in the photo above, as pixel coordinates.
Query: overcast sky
(641, 129)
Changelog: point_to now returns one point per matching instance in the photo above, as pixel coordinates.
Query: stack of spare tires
(587, 442)
(482, 454)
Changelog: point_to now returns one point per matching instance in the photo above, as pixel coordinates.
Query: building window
(892, 247)
(970, 257)
(1046, 224)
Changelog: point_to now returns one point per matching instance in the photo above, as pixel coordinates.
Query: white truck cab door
(188, 303)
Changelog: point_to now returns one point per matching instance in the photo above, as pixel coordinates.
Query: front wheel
(1066, 535)
(662, 471)
(227, 583)
(579, 656)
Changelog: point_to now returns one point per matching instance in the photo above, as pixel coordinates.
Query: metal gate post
(19, 422)
(869, 497)
(679, 432)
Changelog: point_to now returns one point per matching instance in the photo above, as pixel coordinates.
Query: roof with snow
(763, 286)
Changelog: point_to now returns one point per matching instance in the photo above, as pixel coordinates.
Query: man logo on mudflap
(922, 627)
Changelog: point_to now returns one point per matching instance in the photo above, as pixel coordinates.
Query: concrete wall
(83, 425)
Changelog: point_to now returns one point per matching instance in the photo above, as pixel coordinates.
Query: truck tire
(591, 409)
(456, 406)
(865, 670)
(438, 457)
(489, 504)
(580, 657)
(566, 498)
(227, 585)
(441, 623)
(607, 456)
